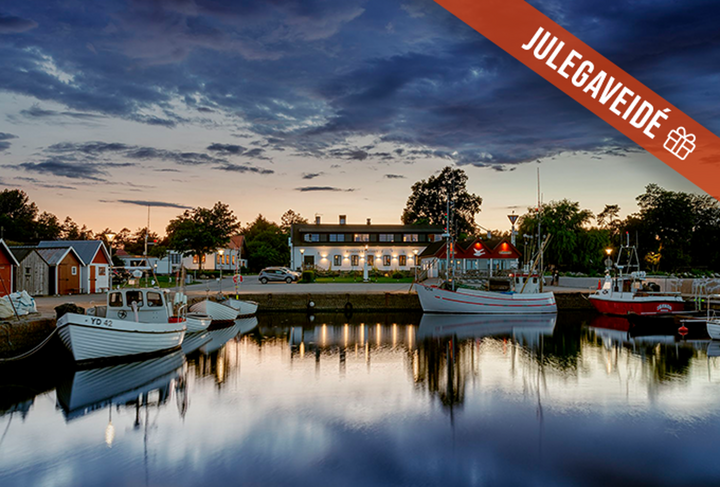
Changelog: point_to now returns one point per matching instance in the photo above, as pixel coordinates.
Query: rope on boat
(29, 352)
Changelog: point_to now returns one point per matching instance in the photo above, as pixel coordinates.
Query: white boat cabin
(143, 305)
(526, 284)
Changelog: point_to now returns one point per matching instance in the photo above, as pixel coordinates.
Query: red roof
(477, 249)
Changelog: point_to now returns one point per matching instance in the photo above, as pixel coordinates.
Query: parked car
(277, 274)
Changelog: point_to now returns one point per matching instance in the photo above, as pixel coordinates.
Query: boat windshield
(136, 296)
(154, 299)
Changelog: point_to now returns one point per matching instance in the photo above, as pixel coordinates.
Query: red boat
(630, 293)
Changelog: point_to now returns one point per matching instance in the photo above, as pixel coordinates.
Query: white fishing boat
(713, 322)
(217, 311)
(244, 308)
(96, 388)
(134, 322)
(197, 322)
(522, 299)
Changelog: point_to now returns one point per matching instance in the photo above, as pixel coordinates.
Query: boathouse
(33, 273)
(64, 272)
(94, 259)
(8, 264)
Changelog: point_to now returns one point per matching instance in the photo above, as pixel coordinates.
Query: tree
(201, 231)
(267, 244)
(565, 221)
(17, 215)
(289, 219)
(428, 202)
(72, 231)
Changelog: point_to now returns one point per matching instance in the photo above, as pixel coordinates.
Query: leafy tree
(201, 231)
(267, 244)
(72, 231)
(17, 215)
(289, 219)
(428, 202)
(566, 222)
(47, 227)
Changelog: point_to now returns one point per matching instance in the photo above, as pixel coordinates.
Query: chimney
(317, 219)
(343, 218)
(368, 221)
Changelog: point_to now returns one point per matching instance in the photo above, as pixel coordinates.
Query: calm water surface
(376, 400)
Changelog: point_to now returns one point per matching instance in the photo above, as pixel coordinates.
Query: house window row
(371, 237)
(337, 260)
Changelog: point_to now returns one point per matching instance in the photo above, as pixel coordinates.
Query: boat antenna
(540, 242)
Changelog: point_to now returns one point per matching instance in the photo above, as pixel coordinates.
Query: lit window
(386, 260)
(403, 260)
(410, 237)
(354, 260)
(362, 237)
(371, 260)
(337, 260)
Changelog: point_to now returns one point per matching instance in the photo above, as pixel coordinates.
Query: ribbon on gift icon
(680, 143)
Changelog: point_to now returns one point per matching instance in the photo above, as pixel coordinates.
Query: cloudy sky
(328, 107)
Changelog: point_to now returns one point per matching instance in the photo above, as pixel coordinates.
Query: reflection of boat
(525, 328)
(92, 389)
(472, 301)
(220, 337)
(612, 329)
(193, 342)
(713, 348)
(134, 322)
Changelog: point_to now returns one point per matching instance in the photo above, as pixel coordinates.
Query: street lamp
(365, 266)
(608, 260)
(110, 237)
(302, 259)
(221, 252)
(415, 262)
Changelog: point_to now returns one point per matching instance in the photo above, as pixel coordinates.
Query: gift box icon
(680, 143)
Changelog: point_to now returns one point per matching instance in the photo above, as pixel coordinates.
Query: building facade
(352, 247)
(491, 257)
(232, 256)
(94, 262)
(8, 265)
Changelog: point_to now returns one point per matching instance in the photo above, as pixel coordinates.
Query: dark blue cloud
(309, 189)
(308, 76)
(4, 144)
(9, 24)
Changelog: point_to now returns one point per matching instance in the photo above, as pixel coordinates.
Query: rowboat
(244, 308)
(217, 311)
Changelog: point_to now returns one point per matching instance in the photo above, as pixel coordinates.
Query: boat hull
(643, 305)
(463, 301)
(218, 311)
(197, 322)
(244, 308)
(91, 338)
(713, 329)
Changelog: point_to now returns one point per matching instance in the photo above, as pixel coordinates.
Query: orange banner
(598, 84)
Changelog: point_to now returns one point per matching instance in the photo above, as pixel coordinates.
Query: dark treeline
(673, 232)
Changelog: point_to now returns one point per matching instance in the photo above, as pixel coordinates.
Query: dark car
(277, 274)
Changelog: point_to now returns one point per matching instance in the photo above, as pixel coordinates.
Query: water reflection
(378, 399)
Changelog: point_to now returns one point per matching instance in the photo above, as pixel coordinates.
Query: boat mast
(541, 270)
(447, 237)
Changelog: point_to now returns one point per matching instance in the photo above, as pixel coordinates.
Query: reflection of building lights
(302, 349)
(109, 433)
(362, 333)
(394, 334)
(410, 335)
(323, 334)
(346, 333)
(378, 333)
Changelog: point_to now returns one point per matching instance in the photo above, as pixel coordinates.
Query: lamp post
(415, 262)
(365, 266)
(513, 218)
(221, 252)
(110, 237)
(302, 259)
(608, 260)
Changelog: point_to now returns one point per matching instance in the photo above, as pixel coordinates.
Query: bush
(398, 275)
(308, 276)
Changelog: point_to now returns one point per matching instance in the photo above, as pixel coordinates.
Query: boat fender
(348, 307)
(683, 330)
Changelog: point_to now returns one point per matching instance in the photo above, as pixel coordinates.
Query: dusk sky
(325, 107)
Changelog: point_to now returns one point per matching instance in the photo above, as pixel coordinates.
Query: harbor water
(376, 399)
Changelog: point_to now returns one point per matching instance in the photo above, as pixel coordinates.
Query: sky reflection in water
(379, 400)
